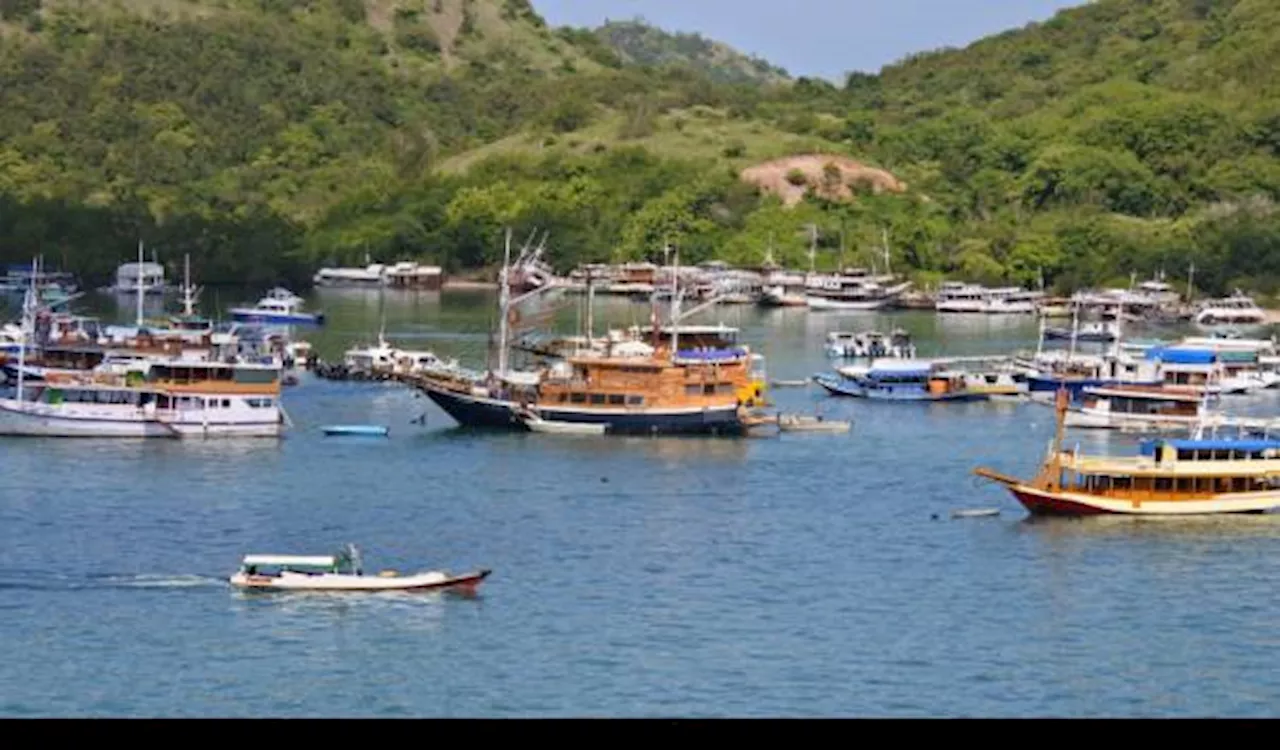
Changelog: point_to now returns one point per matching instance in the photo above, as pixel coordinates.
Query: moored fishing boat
(1168, 478)
(901, 380)
(342, 572)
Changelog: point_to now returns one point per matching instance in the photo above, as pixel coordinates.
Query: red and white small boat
(342, 572)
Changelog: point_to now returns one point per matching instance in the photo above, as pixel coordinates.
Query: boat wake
(159, 581)
(45, 581)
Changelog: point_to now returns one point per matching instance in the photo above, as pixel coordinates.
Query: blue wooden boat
(357, 430)
(902, 380)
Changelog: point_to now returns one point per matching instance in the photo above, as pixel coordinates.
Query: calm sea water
(807, 575)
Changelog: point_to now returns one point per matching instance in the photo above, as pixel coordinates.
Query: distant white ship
(130, 277)
(406, 274)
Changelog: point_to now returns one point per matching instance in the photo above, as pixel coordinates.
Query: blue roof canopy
(1182, 356)
(1251, 445)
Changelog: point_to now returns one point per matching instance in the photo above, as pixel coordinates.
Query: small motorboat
(801, 423)
(357, 430)
(536, 423)
(790, 383)
(976, 513)
(279, 306)
(342, 572)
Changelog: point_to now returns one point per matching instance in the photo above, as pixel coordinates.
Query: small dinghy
(790, 383)
(342, 572)
(976, 513)
(536, 423)
(357, 430)
(801, 423)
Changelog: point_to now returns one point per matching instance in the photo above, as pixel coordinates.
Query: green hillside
(639, 43)
(265, 137)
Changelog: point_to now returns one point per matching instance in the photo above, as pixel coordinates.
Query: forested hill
(638, 42)
(264, 137)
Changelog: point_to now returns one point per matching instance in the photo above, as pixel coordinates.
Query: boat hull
(828, 303)
(254, 316)
(1094, 419)
(22, 421)
(1046, 503)
(359, 584)
(1075, 386)
(853, 389)
(479, 411)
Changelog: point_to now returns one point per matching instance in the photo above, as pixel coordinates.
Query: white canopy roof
(315, 561)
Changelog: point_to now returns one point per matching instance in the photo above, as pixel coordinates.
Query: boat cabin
(274, 565)
(1139, 401)
(1185, 469)
(200, 376)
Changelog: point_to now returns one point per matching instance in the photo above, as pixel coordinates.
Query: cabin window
(597, 399)
(563, 397)
(635, 400)
(709, 389)
(727, 388)
(1142, 484)
(1122, 483)
(1221, 455)
(617, 400)
(1239, 484)
(1185, 455)
(578, 398)
(1186, 484)
(693, 390)
(1204, 485)
(1164, 484)
(226, 403)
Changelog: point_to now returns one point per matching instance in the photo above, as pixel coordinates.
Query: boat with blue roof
(902, 380)
(1168, 477)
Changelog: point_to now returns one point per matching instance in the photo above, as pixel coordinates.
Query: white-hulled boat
(279, 306)
(172, 399)
(341, 572)
(1237, 310)
(958, 297)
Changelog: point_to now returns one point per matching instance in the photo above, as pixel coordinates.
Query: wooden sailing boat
(630, 387)
(1169, 477)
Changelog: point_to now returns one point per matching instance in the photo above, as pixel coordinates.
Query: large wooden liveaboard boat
(630, 386)
(1169, 478)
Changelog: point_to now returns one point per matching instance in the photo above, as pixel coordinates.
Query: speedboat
(342, 572)
(279, 306)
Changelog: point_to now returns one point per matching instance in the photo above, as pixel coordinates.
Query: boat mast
(504, 300)
(675, 304)
(888, 269)
(1060, 408)
(28, 304)
(591, 300)
(140, 285)
(1075, 330)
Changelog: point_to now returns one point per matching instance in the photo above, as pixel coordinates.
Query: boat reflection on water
(298, 616)
(1206, 529)
(678, 449)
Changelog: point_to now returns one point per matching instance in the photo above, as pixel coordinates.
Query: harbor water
(800, 575)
